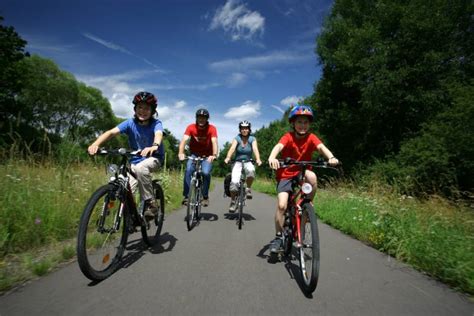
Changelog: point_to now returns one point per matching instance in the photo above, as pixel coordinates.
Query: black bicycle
(242, 197)
(300, 228)
(193, 212)
(110, 215)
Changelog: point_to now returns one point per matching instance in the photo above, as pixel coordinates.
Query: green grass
(434, 236)
(41, 208)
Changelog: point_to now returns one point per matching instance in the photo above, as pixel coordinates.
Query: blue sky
(239, 59)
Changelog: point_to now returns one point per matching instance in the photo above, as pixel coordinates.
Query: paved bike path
(216, 269)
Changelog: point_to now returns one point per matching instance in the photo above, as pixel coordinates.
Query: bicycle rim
(152, 229)
(190, 211)
(198, 207)
(309, 250)
(102, 234)
(241, 205)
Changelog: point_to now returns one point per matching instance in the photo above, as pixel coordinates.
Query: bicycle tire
(190, 211)
(198, 208)
(151, 230)
(309, 250)
(241, 204)
(99, 246)
(288, 236)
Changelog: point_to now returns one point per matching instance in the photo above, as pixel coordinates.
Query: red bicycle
(300, 228)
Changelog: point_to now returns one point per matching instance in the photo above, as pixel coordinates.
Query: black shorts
(284, 186)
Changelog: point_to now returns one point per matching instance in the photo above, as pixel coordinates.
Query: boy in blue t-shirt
(144, 133)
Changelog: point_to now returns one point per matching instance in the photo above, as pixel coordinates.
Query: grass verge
(434, 235)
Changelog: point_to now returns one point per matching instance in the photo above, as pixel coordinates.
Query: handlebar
(118, 152)
(124, 152)
(242, 161)
(319, 164)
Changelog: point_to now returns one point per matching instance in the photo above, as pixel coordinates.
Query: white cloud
(291, 100)
(246, 111)
(180, 104)
(236, 79)
(238, 20)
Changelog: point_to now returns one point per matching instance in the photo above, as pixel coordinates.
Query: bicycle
(300, 229)
(193, 211)
(110, 215)
(241, 198)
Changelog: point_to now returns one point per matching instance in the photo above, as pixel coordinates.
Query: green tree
(11, 52)
(387, 66)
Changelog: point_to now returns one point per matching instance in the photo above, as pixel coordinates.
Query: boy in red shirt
(202, 138)
(299, 145)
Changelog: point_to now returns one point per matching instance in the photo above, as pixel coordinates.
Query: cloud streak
(116, 47)
(269, 60)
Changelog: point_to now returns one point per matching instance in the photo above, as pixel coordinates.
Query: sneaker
(205, 202)
(232, 207)
(249, 193)
(151, 210)
(276, 244)
(185, 201)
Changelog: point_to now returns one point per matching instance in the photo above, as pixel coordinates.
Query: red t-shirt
(299, 149)
(200, 143)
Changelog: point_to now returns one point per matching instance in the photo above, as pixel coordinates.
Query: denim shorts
(284, 186)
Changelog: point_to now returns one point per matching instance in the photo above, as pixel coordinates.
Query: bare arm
(272, 161)
(231, 151)
(214, 149)
(183, 142)
(256, 152)
(102, 139)
(157, 140)
(323, 150)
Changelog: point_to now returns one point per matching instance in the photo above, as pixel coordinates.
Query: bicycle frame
(195, 193)
(295, 200)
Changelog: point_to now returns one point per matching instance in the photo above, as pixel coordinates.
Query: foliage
(11, 51)
(389, 72)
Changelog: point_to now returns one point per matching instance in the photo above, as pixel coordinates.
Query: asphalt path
(216, 269)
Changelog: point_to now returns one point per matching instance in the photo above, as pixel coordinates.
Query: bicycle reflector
(306, 188)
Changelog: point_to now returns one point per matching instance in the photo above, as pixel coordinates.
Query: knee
(281, 207)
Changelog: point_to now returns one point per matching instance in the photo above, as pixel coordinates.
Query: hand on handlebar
(333, 161)
(181, 157)
(92, 150)
(274, 163)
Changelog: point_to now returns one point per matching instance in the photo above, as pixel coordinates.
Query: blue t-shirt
(243, 152)
(141, 136)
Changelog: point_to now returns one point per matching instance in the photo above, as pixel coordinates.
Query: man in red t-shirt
(299, 145)
(202, 138)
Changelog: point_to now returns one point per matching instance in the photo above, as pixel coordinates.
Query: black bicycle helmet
(202, 112)
(147, 98)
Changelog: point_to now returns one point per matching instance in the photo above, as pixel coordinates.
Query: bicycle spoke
(102, 235)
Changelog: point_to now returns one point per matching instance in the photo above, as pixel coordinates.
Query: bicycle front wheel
(192, 204)
(152, 229)
(309, 250)
(102, 234)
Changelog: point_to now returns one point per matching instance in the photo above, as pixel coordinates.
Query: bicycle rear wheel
(102, 234)
(309, 250)
(152, 229)
(192, 204)
(241, 204)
